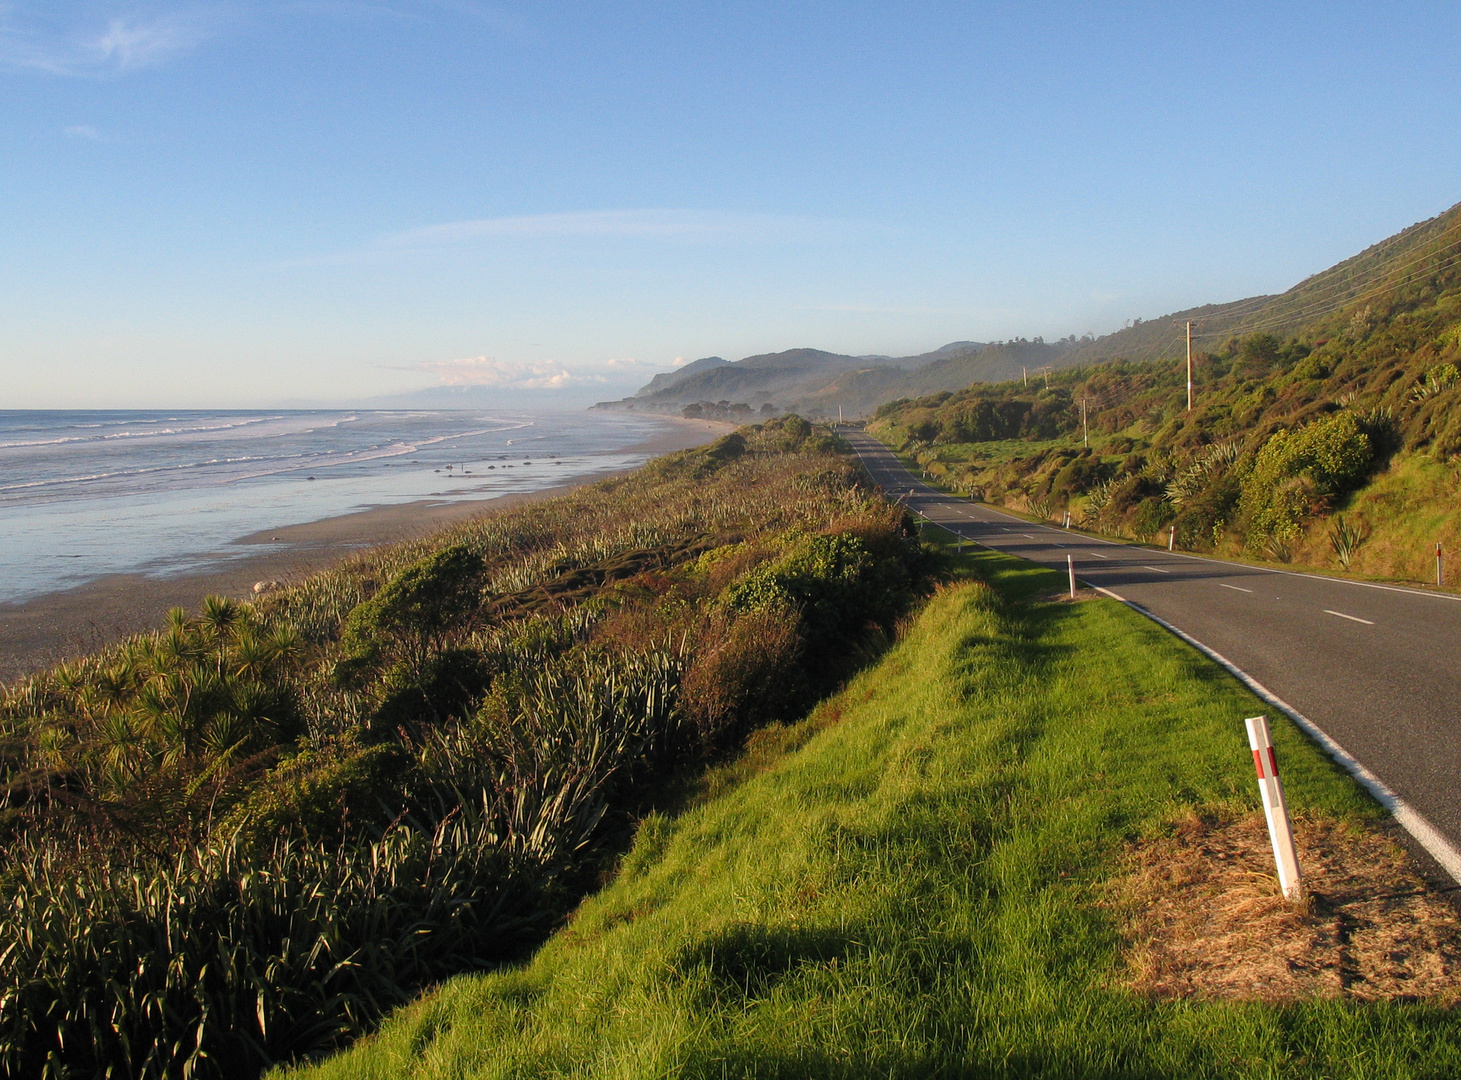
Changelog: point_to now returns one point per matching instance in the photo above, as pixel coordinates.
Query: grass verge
(920, 887)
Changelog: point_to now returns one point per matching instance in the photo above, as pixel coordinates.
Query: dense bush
(1298, 470)
(241, 839)
(1391, 365)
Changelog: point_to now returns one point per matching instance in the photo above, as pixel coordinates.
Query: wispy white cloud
(696, 226)
(878, 309)
(82, 131)
(113, 37)
(105, 46)
(663, 226)
(505, 374)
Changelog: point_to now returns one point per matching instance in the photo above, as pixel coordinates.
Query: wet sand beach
(43, 630)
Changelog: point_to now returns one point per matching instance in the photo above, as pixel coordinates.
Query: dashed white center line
(1351, 618)
(1098, 555)
(1158, 569)
(1238, 588)
(1027, 536)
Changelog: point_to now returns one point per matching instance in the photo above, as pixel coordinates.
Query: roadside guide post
(1280, 831)
(1172, 538)
(1070, 566)
(1439, 581)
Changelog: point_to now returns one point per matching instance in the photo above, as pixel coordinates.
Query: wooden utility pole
(1025, 375)
(1085, 427)
(1189, 365)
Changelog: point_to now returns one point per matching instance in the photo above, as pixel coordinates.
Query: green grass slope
(914, 888)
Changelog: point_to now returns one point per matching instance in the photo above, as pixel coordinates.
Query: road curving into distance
(1377, 668)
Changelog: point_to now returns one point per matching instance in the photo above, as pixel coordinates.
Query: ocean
(83, 494)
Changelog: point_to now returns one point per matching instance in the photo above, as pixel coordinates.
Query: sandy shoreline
(46, 629)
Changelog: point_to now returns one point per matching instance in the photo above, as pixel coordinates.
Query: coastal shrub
(837, 585)
(745, 673)
(1298, 470)
(276, 820)
(720, 453)
(159, 733)
(789, 432)
(1079, 476)
(444, 684)
(315, 794)
(1152, 515)
(418, 608)
(222, 962)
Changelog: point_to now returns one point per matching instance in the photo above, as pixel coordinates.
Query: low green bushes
(1297, 471)
(242, 839)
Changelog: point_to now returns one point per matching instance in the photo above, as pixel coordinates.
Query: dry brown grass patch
(1204, 917)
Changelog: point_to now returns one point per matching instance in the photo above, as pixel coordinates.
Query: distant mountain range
(817, 383)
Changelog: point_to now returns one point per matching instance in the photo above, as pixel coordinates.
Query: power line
(1318, 301)
(1334, 288)
(1316, 298)
(1317, 308)
(1313, 310)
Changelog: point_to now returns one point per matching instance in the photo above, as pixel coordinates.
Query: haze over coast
(110, 519)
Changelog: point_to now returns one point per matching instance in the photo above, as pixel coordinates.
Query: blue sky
(251, 201)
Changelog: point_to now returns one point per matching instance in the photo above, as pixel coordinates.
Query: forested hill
(818, 383)
(1338, 444)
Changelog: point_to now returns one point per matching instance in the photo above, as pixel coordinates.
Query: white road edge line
(1239, 588)
(1406, 816)
(1409, 819)
(1351, 618)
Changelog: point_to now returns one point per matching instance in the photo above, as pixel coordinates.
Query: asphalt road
(1376, 667)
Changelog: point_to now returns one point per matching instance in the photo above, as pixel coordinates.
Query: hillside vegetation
(819, 384)
(247, 836)
(1339, 446)
(918, 881)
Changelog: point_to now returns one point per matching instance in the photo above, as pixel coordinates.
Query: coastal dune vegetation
(244, 838)
(960, 865)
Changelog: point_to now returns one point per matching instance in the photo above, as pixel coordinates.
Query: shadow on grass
(747, 959)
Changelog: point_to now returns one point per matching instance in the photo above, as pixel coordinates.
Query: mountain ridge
(820, 383)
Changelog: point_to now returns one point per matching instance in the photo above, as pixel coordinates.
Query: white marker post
(1172, 538)
(1439, 579)
(1070, 566)
(1286, 857)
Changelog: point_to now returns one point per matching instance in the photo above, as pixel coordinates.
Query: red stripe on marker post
(1280, 831)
